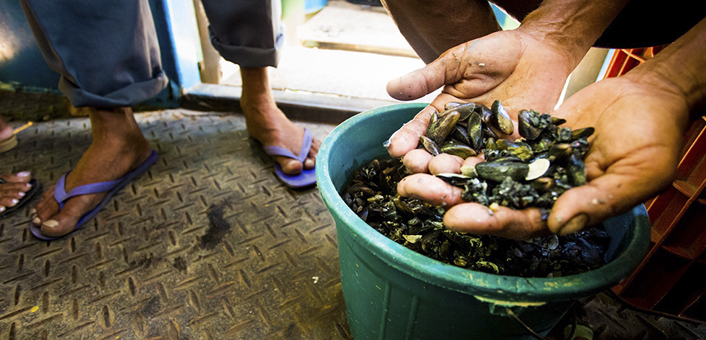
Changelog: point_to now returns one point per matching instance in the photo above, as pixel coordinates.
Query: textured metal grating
(206, 245)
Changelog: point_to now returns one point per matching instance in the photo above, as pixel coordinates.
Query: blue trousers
(107, 51)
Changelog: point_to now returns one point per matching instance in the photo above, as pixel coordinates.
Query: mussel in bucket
(532, 171)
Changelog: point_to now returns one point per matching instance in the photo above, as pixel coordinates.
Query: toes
(290, 166)
(58, 226)
(309, 164)
(64, 221)
(310, 161)
(8, 202)
(10, 195)
(46, 208)
(14, 189)
(20, 177)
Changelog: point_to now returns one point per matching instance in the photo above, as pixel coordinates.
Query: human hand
(515, 67)
(633, 155)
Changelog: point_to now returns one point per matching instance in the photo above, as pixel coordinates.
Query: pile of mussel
(529, 172)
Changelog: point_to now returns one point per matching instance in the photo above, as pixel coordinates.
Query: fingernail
(575, 224)
(51, 223)
(36, 221)
(33, 211)
(14, 202)
(2, 208)
(29, 185)
(21, 194)
(386, 144)
(24, 174)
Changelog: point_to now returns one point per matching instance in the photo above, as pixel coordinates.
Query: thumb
(604, 197)
(428, 79)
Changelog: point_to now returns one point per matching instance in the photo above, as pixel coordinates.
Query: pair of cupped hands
(633, 153)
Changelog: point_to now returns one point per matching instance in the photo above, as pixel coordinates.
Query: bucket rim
(484, 285)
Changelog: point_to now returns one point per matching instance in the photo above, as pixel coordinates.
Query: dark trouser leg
(246, 32)
(106, 51)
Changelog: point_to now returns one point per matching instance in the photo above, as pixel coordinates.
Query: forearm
(680, 69)
(572, 26)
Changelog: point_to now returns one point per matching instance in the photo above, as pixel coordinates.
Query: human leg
(78, 39)
(118, 147)
(268, 124)
(432, 27)
(250, 34)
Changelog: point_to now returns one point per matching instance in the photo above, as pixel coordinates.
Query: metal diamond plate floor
(207, 245)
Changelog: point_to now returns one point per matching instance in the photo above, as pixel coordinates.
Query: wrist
(679, 69)
(571, 27)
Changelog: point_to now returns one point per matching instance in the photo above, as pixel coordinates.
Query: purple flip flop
(111, 187)
(303, 179)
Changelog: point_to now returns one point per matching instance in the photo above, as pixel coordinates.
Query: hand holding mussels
(532, 171)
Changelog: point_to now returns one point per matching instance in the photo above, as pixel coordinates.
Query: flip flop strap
(279, 151)
(60, 194)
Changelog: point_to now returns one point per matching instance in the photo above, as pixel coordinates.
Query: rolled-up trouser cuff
(130, 95)
(249, 33)
(251, 57)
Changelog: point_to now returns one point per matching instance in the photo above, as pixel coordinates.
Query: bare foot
(118, 147)
(268, 124)
(14, 188)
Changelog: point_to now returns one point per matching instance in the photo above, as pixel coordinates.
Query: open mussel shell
(537, 169)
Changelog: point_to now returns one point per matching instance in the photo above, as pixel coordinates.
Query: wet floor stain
(218, 227)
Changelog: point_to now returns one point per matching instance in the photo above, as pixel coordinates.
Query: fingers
(407, 137)
(417, 161)
(497, 220)
(420, 161)
(445, 164)
(430, 189)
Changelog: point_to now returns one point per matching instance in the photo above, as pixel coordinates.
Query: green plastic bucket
(392, 292)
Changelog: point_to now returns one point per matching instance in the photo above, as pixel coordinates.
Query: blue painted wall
(20, 59)
(175, 21)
